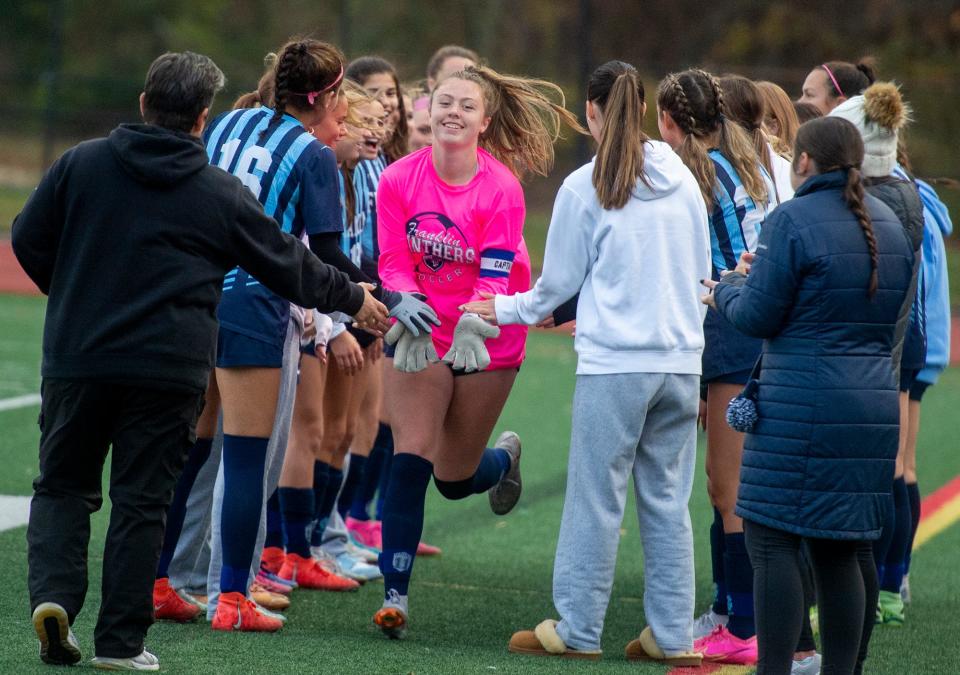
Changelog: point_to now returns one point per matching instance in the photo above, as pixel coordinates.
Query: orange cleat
(271, 560)
(425, 550)
(275, 602)
(236, 613)
(308, 573)
(169, 605)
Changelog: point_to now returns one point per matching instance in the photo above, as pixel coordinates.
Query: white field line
(14, 511)
(19, 402)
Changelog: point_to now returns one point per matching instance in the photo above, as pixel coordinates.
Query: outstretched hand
(485, 309)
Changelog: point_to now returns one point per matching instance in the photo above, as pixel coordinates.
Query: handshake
(414, 348)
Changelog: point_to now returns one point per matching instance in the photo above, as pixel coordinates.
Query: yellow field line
(937, 522)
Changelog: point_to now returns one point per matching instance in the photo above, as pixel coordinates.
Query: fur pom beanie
(879, 114)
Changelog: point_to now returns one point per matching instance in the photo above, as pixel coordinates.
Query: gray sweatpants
(273, 464)
(644, 424)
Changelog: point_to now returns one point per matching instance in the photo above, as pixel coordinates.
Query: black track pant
(151, 431)
(846, 582)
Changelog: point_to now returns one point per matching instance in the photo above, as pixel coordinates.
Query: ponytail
(620, 155)
(835, 144)
(524, 120)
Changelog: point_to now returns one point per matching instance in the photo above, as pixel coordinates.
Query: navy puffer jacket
(820, 460)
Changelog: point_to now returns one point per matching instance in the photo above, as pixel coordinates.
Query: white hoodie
(638, 271)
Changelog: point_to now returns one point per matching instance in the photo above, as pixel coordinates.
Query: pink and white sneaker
(366, 532)
(722, 646)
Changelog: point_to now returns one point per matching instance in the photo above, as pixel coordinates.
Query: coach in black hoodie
(131, 236)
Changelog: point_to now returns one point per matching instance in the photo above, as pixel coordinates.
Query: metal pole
(52, 78)
(585, 40)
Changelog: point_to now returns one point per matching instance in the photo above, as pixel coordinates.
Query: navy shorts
(309, 349)
(918, 389)
(236, 350)
(728, 354)
(908, 376)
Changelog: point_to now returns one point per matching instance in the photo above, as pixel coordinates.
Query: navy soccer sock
(243, 466)
(896, 557)
(913, 493)
(296, 505)
(321, 475)
(403, 519)
(274, 537)
(325, 507)
(355, 476)
(738, 574)
(716, 561)
(881, 546)
(373, 474)
(198, 456)
(385, 472)
(493, 464)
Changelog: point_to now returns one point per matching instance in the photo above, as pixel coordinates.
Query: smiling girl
(450, 221)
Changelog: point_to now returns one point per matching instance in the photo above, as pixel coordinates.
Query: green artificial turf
(494, 576)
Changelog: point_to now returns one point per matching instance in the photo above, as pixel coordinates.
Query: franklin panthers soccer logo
(402, 561)
(439, 240)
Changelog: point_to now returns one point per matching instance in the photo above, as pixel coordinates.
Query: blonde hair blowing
(524, 120)
(356, 97)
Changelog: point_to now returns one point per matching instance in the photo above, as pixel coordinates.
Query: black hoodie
(131, 236)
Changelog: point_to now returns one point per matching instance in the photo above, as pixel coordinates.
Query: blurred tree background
(72, 69)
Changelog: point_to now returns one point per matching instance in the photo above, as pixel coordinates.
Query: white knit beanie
(879, 114)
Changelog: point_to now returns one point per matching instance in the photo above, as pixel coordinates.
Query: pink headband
(422, 103)
(833, 79)
(312, 96)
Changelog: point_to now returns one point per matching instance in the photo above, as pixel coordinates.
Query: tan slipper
(544, 641)
(645, 648)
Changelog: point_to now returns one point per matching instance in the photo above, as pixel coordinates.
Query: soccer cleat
(905, 589)
(361, 552)
(505, 494)
(274, 584)
(58, 644)
(704, 624)
(236, 613)
(273, 601)
(309, 573)
(722, 646)
(392, 617)
(807, 666)
(890, 609)
(426, 550)
(366, 532)
(170, 605)
(142, 661)
(271, 560)
(356, 569)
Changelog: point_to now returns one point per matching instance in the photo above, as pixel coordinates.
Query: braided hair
(306, 76)
(835, 144)
(694, 100)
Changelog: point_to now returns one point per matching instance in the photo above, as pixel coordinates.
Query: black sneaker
(505, 494)
(58, 645)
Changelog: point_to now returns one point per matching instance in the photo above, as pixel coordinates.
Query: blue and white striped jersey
(735, 220)
(294, 177)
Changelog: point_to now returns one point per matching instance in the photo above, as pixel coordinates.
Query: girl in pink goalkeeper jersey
(450, 226)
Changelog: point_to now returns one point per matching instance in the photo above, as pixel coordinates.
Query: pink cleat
(722, 646)
(366, 532)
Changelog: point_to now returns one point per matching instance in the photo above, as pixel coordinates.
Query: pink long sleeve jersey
(450, 242)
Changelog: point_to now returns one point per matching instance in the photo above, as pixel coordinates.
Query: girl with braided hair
(831, 273)
(694, 120)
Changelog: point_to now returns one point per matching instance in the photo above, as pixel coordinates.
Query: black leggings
(846, 581)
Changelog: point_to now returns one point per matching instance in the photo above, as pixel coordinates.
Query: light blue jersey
(294, 177)
(735, 220)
